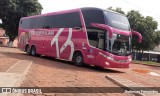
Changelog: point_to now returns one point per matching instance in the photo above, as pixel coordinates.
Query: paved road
(49, 72)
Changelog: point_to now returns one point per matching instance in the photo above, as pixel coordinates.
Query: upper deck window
(67, 20)
(93, 16)
(25, 23)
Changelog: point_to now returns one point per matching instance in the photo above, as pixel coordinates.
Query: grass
(146, 62)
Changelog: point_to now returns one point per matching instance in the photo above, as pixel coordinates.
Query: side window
(93, 16)
(96, 38)
(40, 23)
(25, 23)
(68, 20)
(92, 38)
(20, 23)
(33, 22)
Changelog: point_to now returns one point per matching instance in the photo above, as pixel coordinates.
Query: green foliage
(146, 26)
(12, 10)
(157, 38)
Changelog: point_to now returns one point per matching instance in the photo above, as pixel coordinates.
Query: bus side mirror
(105, 27)
(139, 36)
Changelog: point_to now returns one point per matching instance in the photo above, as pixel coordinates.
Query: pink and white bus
(85, 36)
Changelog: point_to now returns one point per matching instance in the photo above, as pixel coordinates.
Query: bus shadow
(94, 68)
(66, 65)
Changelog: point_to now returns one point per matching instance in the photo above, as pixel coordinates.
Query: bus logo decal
(68, 42)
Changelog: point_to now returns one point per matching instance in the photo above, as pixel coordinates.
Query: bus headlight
(105, 56)
(107, 63)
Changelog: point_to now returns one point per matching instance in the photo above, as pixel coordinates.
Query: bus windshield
(116, 20)
(119, 44)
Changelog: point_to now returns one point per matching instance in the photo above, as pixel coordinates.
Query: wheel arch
(77, 51)
(33, 46)
(35, 52)
(26, 47)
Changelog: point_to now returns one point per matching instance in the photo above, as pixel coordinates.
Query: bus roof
(72, 10)
(91, 8)
(51, 13)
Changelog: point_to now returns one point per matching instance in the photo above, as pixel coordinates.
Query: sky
(145, 7)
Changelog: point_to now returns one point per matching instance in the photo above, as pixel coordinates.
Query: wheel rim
(28, 49)
(79, 59)
(33, 51)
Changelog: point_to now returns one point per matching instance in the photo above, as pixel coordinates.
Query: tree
(146, 26)
(12, 10)
(157, 38)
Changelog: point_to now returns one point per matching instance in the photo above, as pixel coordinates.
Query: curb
(146, 64)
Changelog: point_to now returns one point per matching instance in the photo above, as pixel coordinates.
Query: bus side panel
(37, 42)
(62, 39)
(41, 42)
(48, 48)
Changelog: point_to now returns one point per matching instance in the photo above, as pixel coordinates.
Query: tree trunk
(11, 39)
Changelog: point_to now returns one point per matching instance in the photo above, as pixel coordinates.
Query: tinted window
(68, 20)
(40, 22)
(93, 16)
(37, 22)
(25, 23)
(33, 22)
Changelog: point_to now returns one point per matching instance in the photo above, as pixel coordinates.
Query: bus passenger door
(92, 40)
(100, 47)
(92, 56)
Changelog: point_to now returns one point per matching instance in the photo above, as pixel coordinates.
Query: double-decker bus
(85, 36)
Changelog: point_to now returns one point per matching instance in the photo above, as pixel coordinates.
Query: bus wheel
(28, 51)
(78, 59)
(33, 51)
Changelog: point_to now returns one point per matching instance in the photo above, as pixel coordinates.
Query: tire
(33, 51)
(78, 59)
(28, 51)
